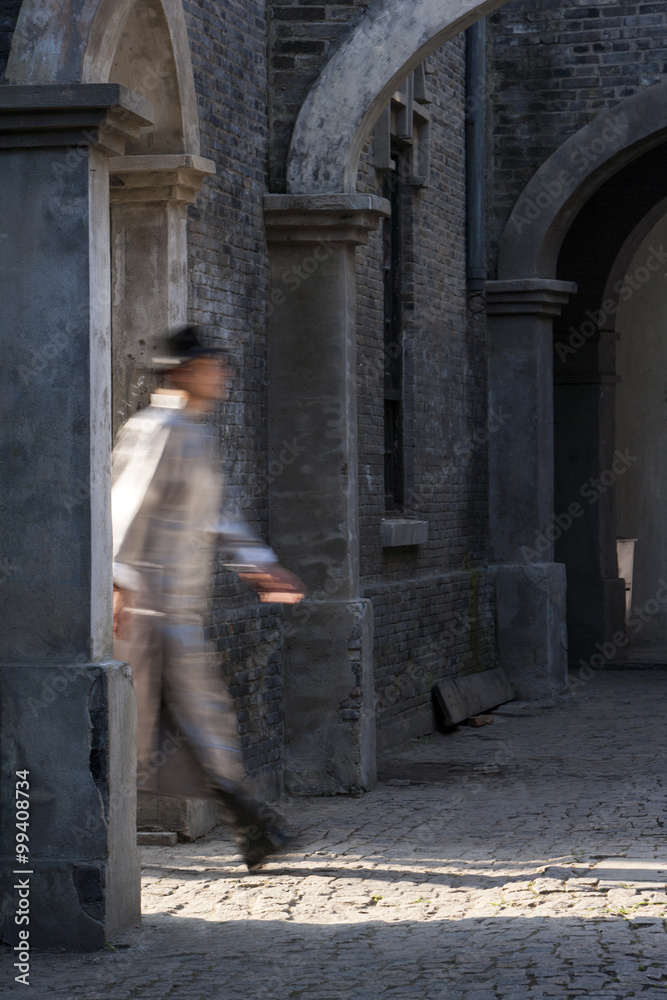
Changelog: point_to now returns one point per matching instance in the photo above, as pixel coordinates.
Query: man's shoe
(271, 841)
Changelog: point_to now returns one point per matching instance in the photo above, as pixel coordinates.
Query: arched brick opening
(580, 220)
(595, 253)
(549, 204)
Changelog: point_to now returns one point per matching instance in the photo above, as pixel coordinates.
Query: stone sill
(399, 531)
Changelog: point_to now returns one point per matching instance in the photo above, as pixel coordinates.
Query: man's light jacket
(167, 511)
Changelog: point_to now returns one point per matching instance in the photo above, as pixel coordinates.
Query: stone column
(328, 648)
(68, 710)
(530, 587)
(149, 265)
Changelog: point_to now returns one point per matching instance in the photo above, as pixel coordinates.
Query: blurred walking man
(167, 525)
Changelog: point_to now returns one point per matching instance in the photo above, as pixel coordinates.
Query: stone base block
(72, 727)
(531, 628)
(157, 838)
(66, 905)
(399, 729)
(329, 697)
(189, 818)
(595, 613)
(398, 532)
(194, 818)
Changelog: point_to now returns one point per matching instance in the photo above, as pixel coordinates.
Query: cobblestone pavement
(476, 871)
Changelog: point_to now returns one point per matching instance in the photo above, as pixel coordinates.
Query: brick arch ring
(74, 41)
(557, 192)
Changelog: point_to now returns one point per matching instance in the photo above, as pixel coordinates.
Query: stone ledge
(146, 179)
(343, 218)
(401, 531)
(156, 838)
(528, 296)
(100, 114)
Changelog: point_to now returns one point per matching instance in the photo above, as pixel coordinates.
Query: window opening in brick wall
(393, 231)
(401, 157)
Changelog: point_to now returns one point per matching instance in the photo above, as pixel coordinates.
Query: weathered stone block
(396, 532)
(329, 698)
(72, 727)
(531, 631)
(189, 818)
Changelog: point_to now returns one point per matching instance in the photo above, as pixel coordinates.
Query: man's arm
(275, 583)
(257, 564)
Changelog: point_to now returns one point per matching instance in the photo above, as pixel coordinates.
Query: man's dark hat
(185, 345)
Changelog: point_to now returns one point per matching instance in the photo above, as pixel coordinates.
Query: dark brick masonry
(555, 67)
(303, 36)
(433, 605)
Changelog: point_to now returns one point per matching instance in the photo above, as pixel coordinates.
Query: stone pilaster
(68, 715)
(530, 587)
(329, 711)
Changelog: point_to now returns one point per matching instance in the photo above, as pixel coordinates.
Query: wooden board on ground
(461, 697)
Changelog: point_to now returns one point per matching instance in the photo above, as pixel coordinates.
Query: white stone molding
(147, 179)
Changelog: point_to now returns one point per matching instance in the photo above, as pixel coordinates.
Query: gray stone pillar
(328, 651)
(530, 587)
(149, 265)
(68, 711)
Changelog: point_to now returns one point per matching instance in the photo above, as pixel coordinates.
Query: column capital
(176, 177)
(103, 115)
(528, 296)
(311, 218)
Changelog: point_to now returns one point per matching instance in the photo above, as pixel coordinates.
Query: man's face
(203, 378)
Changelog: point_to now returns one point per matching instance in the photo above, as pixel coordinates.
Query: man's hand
(274, 583)
(122, 617)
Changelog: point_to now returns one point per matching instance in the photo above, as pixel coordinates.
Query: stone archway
(45, 49)
(313, 230)
(550, 224)
(557, 192)
(106, 39)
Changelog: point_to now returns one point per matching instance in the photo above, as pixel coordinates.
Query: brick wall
(554, 67)
(432, 604)
(303, 36)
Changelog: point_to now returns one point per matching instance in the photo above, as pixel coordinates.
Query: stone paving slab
(638, 872)
(480, 879)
